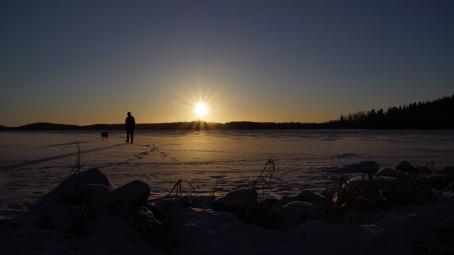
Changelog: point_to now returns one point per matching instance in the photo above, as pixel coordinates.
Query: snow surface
(32, 163)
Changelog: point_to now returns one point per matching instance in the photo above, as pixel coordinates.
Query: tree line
(436, 114)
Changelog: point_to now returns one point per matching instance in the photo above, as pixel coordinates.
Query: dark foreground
(402, 210)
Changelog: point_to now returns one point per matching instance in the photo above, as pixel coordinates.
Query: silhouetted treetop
(436, 114)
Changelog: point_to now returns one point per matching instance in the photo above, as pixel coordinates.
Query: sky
(85, 62)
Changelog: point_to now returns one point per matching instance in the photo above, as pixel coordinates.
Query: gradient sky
(92, 61)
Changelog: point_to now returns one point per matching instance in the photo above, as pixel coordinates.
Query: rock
(164, 208)
(309, 196)
(369, 166)
(268, 202)
(162, 204)
(144, 222)
(439, 181)
(441, 238)
(387, 171)
(242, 202)
(449, 170)
(406, 167)
(122, 200)
(447, 192)
(91, 192)
(360, 181)
(361, 167)
(64, 208)
(300, 212)
(203, 201)
(62, 217)
(268, 216)
(241, 198)
(69, 191)
(285, 200)
(363, 182)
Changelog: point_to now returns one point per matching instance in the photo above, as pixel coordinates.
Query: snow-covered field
(216, 162)
(32, 163)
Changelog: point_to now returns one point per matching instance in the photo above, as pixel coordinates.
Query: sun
(201, 109)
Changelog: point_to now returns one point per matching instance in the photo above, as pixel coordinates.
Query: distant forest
(437, 114)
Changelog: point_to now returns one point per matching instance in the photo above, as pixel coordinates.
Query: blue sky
(92, 61)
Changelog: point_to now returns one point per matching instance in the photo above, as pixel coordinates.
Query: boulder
(144, 222)
(69, 191)
(309, 196)
(162, 204)
(62, 217)
(285, 200)
(91, 192)
(361, 167)
(439, 181)
(387, 171)
(268, 202)
(267, 215)
(238, 199)
(300, 212)
(449, 170)
(441, 239)
(122, 200)
(165, 208)
(203, 201)
(363, 182)
(447, 192)
(360, 181)
(406, 167)
(242, 202)
(64, 208)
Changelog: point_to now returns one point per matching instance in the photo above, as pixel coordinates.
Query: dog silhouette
(105, 135)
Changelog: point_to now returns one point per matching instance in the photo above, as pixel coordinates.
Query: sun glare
(201, 109)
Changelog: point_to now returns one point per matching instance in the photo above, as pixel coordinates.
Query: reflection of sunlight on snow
(160, 158)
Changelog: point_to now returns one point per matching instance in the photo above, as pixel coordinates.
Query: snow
(31, 163)
(215, 162)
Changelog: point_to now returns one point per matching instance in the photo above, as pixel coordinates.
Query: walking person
(130, 125)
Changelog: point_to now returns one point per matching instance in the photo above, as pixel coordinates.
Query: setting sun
(201, 109)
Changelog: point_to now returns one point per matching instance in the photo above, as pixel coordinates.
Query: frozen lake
(32, 163)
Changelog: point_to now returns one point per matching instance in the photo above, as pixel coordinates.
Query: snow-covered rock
(132, 195)
(309, 196)
(388, 171)
(144, 222)
(364, 181)
(405, 166)
(361, 167)
(447, 192)
(439, 181)
(285, 200)
(267, 214)
(90, 192)
(268, 201)
(360, 181)
(63, 209)
(242, 202)
(70, 189)
(300, 212)
(441, 238)
(237, 199)
(449, 170)
(62, 217)
(203, 201)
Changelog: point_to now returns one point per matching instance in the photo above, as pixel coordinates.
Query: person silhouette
(130, 125)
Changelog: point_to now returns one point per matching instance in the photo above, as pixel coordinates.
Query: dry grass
(373, 192)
